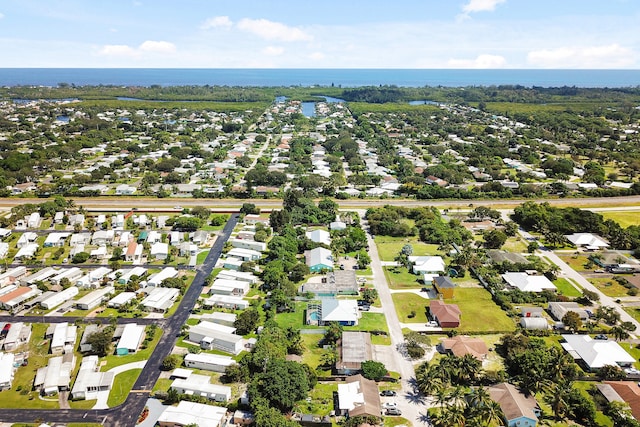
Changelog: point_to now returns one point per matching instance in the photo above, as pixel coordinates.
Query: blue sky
(328, 34)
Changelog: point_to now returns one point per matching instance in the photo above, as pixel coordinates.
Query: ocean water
(316, 77)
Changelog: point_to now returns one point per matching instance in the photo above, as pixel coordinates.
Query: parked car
(390, 405)
(601, 337)
(387, 393)
(393, 411)
(432, 324)
(364, 307)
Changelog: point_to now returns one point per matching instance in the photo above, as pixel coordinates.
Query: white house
(238, 275)
(319, 236)
(135, 271)
(208, 362)
(7, 369)
(27, 251)
(58, 298)
(343, 311)
(4, 249)
(19, 333)
(56, 376)
(245, 254)
(34, 220)
(130, 340)
(427, 266)
(587, 240)
(72, 274)
(94, 298)
(319, 259)
(229, 287)
(226, 301)
(221, 318)
(160, 300)
(249, 244)
(26, 238)
(63, 337)
(55, 240)
(93, 277)
(596, 353)
(90, 380)
(200, 385)
(121, 299)
(159, 250)
(187, 413)
(166, 273)
(210, 337)
(527, 282)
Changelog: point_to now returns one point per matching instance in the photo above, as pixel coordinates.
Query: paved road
(125, 204)
(126, 415)
(410, 403)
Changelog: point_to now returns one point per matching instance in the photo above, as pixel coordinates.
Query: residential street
(412, 404)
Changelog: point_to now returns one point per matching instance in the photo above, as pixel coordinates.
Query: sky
(510, 34)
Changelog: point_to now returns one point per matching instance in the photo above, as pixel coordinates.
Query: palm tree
(558, 400)
(492, 413)
(441, 397)
(469, 368)
(619, 333)
(457, 397)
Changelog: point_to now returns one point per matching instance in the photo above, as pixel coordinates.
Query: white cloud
(481, 6)
(608, 56)
(118, 50)
(317, 56)
(481, 61)
(270, 30)
(157, 47)
(217, 21)
(273, 50)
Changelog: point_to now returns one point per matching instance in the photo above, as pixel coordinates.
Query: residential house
(14, 300)
(625, 392)
(25, 239)
(55, 240)
(229, 287)
(19, 333)
(160, 299)
(359, 396)
(54, 300)
(121, 299)
(133, 252)
(594, 354)
(159, 251)
(444, 286)
(519, 410)
(90, 380)
(353, 348)
(210, 337)
(447, 315)
(94, 298)
(226, 301)
(166, 273)
(208, 362)
(191, 413)
(338, 282)
(462, 345)
(130, 340)
(73, 274)
(319, 236)
(63, 337)
(34, 220)
(343, 311)
(56, 376)
(249, 244)
(587, 241)
(427, 266)
(528, 282)
(319, 259)
(559, 309)
(244, 254)
(7, 368)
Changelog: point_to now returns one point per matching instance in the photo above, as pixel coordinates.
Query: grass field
(479, 312)
(312, 351)
(633, 312)
(406, 302)
(373, 322)
(577, 262)
(514, 244)
(321, 400)
(624, 218)
(400, 278)
(122, 385)
(609, 287)
(566, 288)
(389, 247)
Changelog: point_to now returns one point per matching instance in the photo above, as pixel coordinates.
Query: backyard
(389, 247)
(479, 312)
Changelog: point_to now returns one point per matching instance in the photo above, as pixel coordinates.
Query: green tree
(80, 257)
(101, 342)
(332, 333)
(373, 370)
(494, 239)
(247, 321)
(282, 384)
(170, 362)
(370, 295)
(572, 321)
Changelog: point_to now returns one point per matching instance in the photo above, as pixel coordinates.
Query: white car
(432, 324)
(389, 405)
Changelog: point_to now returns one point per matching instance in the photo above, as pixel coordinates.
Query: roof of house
(319, 236)
(497, 255)
(343, 310)
(587, 239)
(596, 353)
(443, 282)
(528, 283)
(193, 413)
(629, 392)
(359, 396)
(353, 349)
(463, 344)
(444, 312)
(319, 256)
(427, 263)
(513, 403)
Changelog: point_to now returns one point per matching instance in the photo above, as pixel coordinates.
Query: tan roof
(464, 344)
(14, 294)
(371, 395)
(444, 312)
(630, 393)
(513, 403)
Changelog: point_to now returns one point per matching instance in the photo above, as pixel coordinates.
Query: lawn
(633, 350)
(515, 244)
(566, 288)
(577, 262)
(389, 247)
(162, 384)
(479, 312)
(633, 312)
(201, 257)
(609, 287)
(373, 322)
(122, 385)
(312, 355)
(407, 302)
(321, 400)
(400, 278)
(624, 218)
(295, 318)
